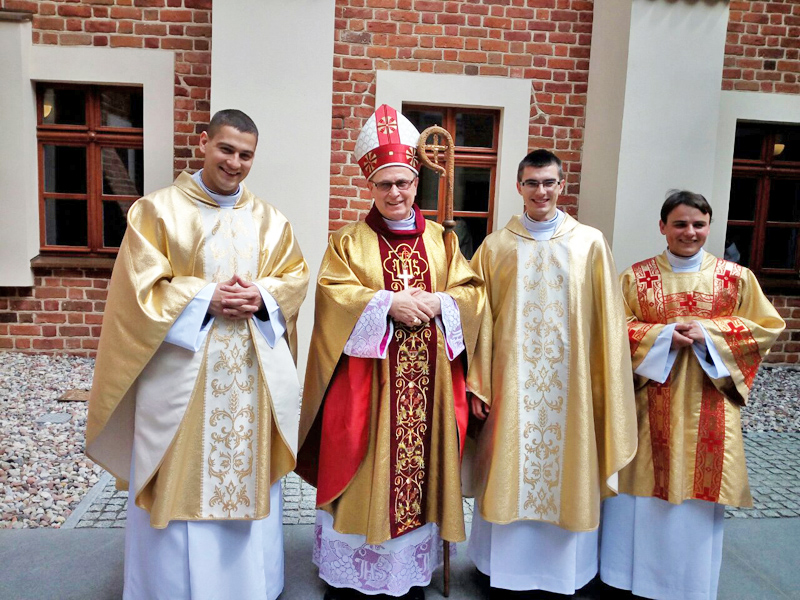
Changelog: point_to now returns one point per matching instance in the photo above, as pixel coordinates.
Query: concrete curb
(88, 499)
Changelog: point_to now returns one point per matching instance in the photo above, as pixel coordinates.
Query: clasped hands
(235, 299)
(414, 306)
(686, 334)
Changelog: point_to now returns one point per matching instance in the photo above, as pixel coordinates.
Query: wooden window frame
(764, 170)
(466, 156)
(94, 137)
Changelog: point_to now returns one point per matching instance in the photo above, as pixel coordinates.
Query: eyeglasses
(401, 184)
(532, 184)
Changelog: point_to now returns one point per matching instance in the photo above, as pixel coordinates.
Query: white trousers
(532, 555)
(205, 560)
(662, 550)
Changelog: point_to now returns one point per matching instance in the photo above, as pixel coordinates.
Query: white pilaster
(655, 81)
(273, 60)
(19, 205)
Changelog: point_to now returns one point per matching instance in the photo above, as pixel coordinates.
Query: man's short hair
(538, 159)
(677, 197)
(233, 118)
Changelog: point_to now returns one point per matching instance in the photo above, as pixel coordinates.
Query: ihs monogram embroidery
(406, 265)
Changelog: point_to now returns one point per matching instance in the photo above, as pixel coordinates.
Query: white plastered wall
(22, 66)
(664, 134)
(275, 65)
(741, 106)
(19, 225)
(511, 96)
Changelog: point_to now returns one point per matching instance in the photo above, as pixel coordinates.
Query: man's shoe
(334, 593)
(415, 593)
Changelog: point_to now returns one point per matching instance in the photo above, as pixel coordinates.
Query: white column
(273, 60)
(655, 81)
(19, 201)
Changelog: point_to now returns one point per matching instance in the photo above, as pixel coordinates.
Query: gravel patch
(44, 474)
(774, 404)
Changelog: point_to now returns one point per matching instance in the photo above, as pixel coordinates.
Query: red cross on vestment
(725, 278)
(690, 302)
(649, 278)
(737, 331)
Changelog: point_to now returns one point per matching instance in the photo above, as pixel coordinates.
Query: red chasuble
(411, 353)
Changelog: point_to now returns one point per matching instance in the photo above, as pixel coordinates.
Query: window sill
(787, 286)
(72, 262)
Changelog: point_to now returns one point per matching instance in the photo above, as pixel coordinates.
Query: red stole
(412, 373)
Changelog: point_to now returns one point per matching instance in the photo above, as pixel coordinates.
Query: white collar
(224, 200)
(404, 225)
(685, 264)
(543, 230)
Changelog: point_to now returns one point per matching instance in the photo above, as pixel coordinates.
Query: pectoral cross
(405, 276)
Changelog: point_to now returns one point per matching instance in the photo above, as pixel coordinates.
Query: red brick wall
(61, 313)
(63, 310)
(543, 40)
(787, 348)
(180, 25)
(762, 53)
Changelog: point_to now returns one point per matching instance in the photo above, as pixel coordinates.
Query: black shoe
(415, 593)
(334, 593)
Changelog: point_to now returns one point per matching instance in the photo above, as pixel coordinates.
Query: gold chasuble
(552, 363)
(379, 437)
(212, 430)
(690, 434)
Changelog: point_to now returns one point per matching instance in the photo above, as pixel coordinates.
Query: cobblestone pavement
(773, 461)
(773, 464)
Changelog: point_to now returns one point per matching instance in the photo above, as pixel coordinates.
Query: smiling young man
(195, 397)
(384, 408)
(699, 327)
(550, 372)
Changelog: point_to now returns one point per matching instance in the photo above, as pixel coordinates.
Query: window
(475, 133)
(764, 209)
(91, 167)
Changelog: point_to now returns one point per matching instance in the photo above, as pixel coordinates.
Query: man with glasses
(549, 378)
(384, 406)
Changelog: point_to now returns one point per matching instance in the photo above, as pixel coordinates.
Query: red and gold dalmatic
(380, 438)
(690, 436)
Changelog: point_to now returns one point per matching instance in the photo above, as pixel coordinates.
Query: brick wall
(787, 348)
(63, 310)
(61, 313)
(762, 53)
(547, 41)
(544, 40)
(180, 25)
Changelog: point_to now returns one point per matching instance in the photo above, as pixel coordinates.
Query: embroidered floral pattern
(374, 569)
(368, 339)
(451, 321)
(542, 331)
(230, 403)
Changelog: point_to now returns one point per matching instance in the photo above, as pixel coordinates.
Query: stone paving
(773, 461)
(773, 464)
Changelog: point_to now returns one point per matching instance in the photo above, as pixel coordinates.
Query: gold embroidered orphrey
(542, 378)
(412, 349)
(413, 387)
(232, 376)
